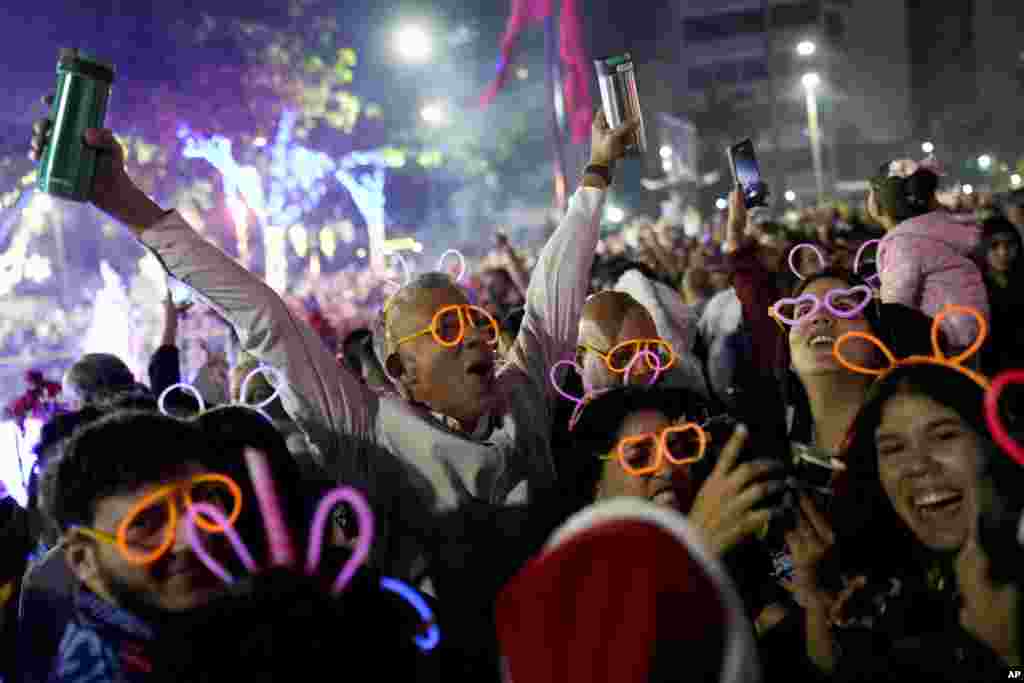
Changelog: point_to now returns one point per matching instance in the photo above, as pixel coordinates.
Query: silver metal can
(616, 76)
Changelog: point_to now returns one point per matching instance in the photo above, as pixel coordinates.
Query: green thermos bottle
(67, 166)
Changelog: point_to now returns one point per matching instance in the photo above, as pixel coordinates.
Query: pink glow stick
(196, 541)
(1001, 435)
(282, 552)
(316, 534)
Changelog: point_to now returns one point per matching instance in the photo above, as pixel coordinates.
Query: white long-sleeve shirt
(412, 467)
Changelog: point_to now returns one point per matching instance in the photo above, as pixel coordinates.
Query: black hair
(96, 374)
(354, 346)
(990, 228)
(135, 398)
(1000, 511)
(905, 198)
(279, 625)
(865, 519)
(59, 428)
(116, 454)
(232, 429)
(598, 427)
(904, 330)
(513, 320)
(607, 271)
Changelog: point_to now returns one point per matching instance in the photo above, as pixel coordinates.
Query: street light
(806, 48)
(927, 147)
(811, 81)
(1015, 180)
(432, 113)
(984, 162)
(790, 196)
(413, 43)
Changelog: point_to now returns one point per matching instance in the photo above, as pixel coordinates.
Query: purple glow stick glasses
(828, 302)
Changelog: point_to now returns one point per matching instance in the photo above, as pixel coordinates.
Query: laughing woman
(907, 508)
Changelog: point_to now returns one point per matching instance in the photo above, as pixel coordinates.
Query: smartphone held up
(747, 174)
(616, 76)
(181, 294)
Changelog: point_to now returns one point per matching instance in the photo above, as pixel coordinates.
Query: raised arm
(755, 286)
(561, 278)
(322, 398)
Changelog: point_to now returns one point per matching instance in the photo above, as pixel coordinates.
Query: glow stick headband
(258, 407)
(937, 357)
(999, 432)
(589, 393)
(407, 269)
(281, 547)
(806, 245)
(876, 279)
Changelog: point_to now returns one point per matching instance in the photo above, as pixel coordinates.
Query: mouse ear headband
(407, 275)
(875, 280)
(822, 264)
(937, 357)
(282, 551)
(589, 393)
(265, 370)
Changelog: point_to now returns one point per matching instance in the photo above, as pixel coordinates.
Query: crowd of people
(768, 457)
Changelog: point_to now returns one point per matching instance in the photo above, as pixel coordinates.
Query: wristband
(601, 171)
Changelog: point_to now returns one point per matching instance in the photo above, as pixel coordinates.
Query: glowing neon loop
(805, 245)
(432, 637)
(188, 388)
(999, 431)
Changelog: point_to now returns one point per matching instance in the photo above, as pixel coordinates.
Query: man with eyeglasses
(121, 513)
(617, 333)
(466, 427)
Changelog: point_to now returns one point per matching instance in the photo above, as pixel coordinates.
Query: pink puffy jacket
(924, 264)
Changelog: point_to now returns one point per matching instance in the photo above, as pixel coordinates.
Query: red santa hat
(624, 589)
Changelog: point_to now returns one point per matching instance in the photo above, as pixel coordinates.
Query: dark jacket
(103, 643)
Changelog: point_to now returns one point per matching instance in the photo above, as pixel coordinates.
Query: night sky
(139, 37)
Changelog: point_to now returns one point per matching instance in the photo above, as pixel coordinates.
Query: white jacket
(411, 467)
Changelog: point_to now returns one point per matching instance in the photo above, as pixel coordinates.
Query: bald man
(612, 318)
(609, 319)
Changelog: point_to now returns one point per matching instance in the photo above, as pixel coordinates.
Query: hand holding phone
(747, 174)
(181, 294)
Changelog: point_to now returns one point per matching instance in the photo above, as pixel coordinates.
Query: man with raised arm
(466, 426)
